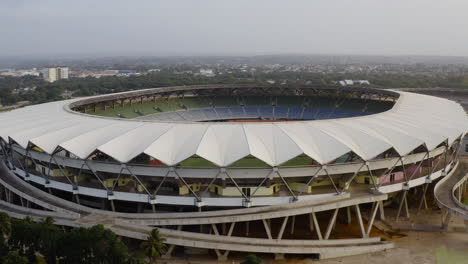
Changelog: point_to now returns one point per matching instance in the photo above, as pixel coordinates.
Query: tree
(5, 232)
(5, 224)
(14, 258)
(154, 247)
(92, 245)
(252, 259)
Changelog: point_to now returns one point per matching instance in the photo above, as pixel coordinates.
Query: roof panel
(224, 144)
(132, 143)
(83, 145)
(414, 128)
(402, 142)
(363, 144)
(177, 144)
(50, 140)
(270, 144)
(315, 143)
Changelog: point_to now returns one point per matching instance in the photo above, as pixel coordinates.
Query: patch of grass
(445, 256)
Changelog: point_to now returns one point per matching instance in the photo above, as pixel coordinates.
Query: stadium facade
(231, 167)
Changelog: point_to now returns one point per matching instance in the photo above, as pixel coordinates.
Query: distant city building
(207, 72)
(62, 72)
(19, 73)
(53, 74)
(353, 82)
(126, 73)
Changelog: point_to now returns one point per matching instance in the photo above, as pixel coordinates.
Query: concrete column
(293, 223)
(382, 210)
(400, 206)
(371, 219)
(8, 195)
(267, 229)
(423, 200)
(407, 207)
(77, 198)
(231, 229)
(446, 217)
(348, 215)
(215, 229)
(283, 226)
(359, 217)
(331, 224)
(317, 227)
(311, 223)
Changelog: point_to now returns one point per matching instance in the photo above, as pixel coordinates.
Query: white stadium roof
(413, 121)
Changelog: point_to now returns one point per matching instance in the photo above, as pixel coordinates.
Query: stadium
(232, 168)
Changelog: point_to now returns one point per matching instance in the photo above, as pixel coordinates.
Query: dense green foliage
(44, 92)
(14, 257)
(26, 241)
(154, 247)
(252, 259)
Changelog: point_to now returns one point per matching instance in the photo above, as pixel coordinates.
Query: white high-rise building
(50, 74)
(53, 74)
(62, 72)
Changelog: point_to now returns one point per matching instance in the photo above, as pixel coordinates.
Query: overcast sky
(233, 27)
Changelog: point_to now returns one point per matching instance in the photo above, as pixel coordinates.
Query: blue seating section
(251, 112)
(295, 112)
(280, 112)
(257, 107)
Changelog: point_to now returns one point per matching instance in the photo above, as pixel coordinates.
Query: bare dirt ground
(416, 248)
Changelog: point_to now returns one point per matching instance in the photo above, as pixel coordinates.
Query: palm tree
(252, 259)
(154, 247)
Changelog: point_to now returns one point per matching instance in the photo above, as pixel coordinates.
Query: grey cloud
(184, 27)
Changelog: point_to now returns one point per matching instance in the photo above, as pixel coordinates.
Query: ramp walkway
(323, 248)
(447, 193)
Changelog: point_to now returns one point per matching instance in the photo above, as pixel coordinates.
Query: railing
(445, 197)
(461, 182)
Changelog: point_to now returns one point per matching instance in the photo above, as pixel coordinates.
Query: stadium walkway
(448, 193)
(71, 214)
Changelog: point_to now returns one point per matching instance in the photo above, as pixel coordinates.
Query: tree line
(45, 92)
(24, 241)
